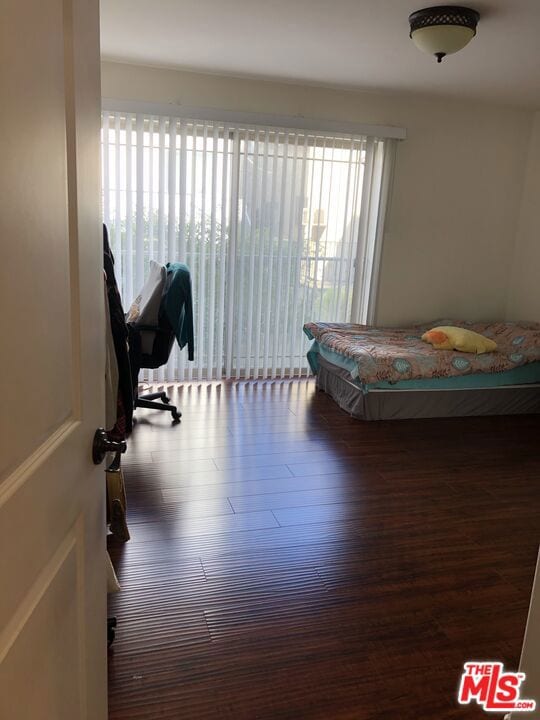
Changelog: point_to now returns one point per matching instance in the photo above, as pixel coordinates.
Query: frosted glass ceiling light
(443, 30)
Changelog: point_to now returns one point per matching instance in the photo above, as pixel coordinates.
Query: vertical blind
(278, 227)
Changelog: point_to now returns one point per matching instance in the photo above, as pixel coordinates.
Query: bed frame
(402, 404)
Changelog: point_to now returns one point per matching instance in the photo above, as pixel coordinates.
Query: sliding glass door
(277, 226)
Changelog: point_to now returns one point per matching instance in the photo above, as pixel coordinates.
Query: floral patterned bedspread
(395, 354)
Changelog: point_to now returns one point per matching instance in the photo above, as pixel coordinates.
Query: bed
(377, 373)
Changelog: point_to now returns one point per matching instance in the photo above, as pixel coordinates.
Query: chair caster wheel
(176, 417)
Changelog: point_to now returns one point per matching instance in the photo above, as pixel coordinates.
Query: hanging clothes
(111, 368)
(116, 500)
(177, 304)
(113, 586)
(124, 416)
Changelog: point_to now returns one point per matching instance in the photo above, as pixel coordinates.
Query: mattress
(381, 358)
(522, 375)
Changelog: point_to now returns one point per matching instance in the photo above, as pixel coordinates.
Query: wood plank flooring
(290, 562)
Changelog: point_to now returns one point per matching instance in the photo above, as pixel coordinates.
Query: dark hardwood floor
(289, 562)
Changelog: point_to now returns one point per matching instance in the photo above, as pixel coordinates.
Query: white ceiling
(345, 43)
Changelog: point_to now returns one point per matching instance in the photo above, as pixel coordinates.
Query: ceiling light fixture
(443, 30)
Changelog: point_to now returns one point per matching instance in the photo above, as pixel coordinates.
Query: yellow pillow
(456, 338)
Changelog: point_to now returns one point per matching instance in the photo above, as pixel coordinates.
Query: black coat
(124, 420)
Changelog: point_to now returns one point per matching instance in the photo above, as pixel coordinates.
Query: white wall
(452, 221)
(524, 290)
(531, 651)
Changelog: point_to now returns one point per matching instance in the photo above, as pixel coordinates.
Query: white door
(52, 525)
(530, 656)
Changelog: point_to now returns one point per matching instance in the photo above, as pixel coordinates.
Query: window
(278, 226)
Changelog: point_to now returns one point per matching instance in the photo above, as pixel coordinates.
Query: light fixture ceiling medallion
(443, 30)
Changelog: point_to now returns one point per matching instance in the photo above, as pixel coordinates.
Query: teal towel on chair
(178, 305)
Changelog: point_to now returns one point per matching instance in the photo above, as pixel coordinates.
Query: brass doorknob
(102, 445)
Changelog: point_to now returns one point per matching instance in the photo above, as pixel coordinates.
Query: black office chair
(161, 337)
(162, 346)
